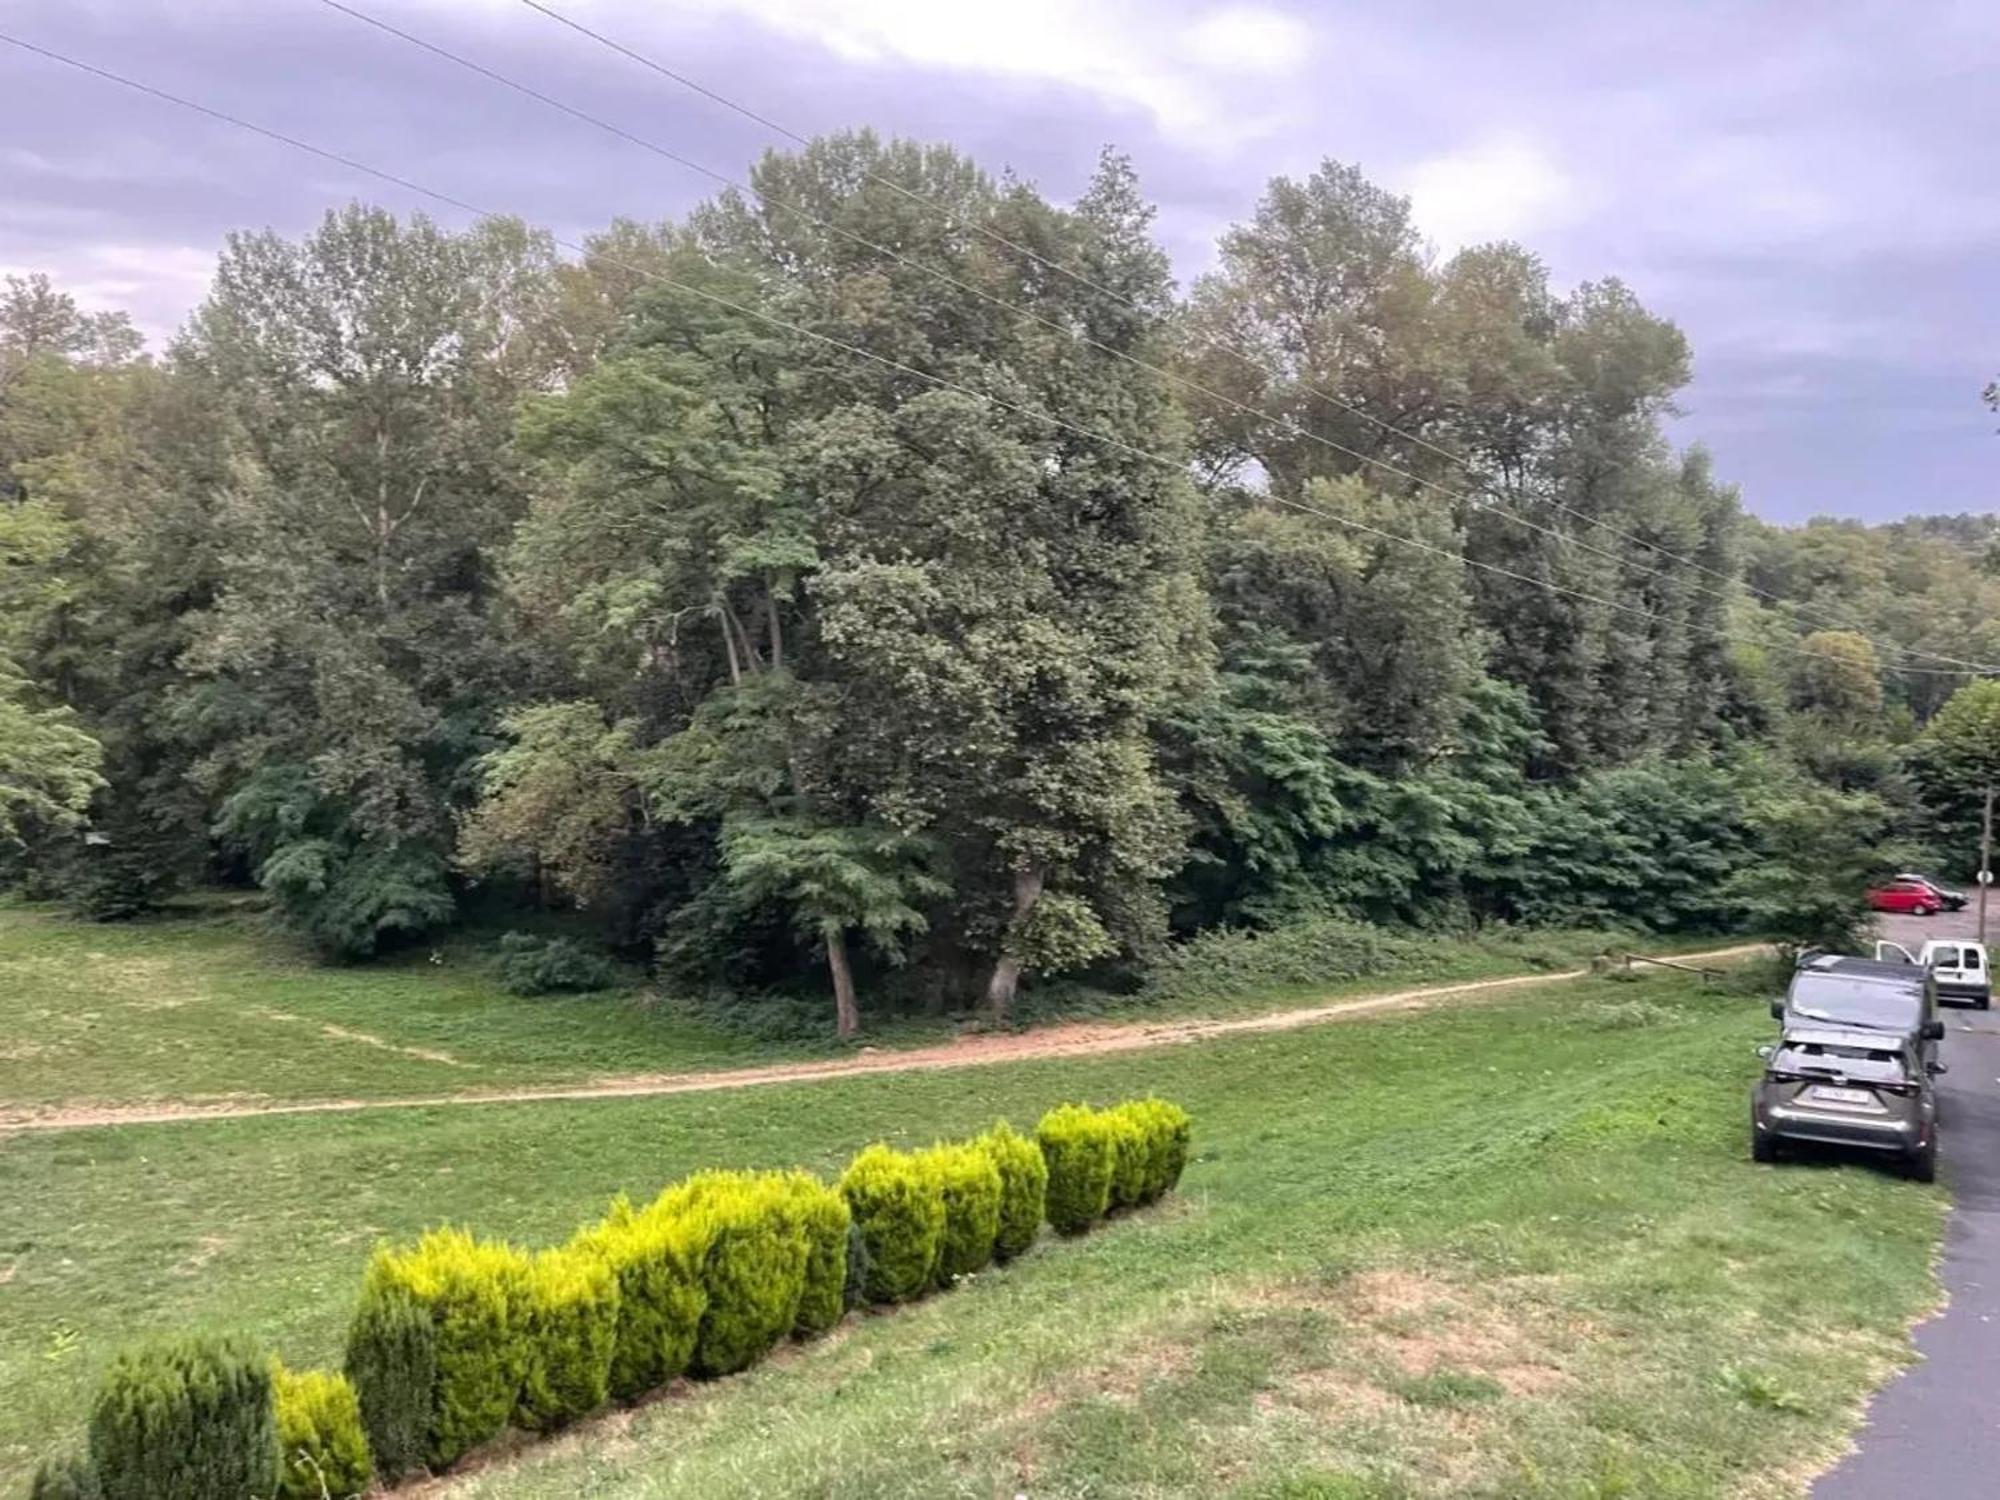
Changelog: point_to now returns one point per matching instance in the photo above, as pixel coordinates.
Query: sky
(1809, 190)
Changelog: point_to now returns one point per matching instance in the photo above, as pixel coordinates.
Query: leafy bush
(1170, 1133)
(392, 1363)
(569, 1327)
(755, 1270)
(551, 966)
(65, 1478)
(657, 1258)
(854, 1286)
(826, 1221)
(969, 1183)
(900, 1209)
(473, 1291)
(186, 1419)
(323, 1449)
(1131, 1151)
(1078, 1146)
(1024, 1187)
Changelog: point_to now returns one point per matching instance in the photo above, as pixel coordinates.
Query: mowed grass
(1513, 1250)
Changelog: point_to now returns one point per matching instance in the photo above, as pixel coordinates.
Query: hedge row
(455, 1339)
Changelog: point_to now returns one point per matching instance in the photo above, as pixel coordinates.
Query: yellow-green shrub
(1131, 1151)
(323, 1447)
(824, 1218)
(1024, 1187)
(473, 1291)
(185, 1419)
(392, 1363)
(1078, 1146)
(569, 1324)
(969, 1183)
(755, 1269)
(65, 1478)
(900, 1208)
(657, 1258)
(1168, 1131)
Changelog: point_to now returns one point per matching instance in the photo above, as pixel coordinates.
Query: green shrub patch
(65, 1478)
(185, 1419)
(824, 1219)
(755, 1269)
(392, 1364)
(1024, 1187)
(657, 1258)
(569, 1328)
(1077, 1144)
(900, 1208)
(322, 1445)
(969, 1184)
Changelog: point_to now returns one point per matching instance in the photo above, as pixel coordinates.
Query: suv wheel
(1922, 1164)
(1763, 1146)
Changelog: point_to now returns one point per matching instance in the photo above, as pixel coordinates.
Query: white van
(1960, 968)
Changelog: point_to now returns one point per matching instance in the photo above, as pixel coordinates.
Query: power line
(939, 381)
(1207, 340)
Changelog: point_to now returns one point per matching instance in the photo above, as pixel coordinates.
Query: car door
(1893, 953)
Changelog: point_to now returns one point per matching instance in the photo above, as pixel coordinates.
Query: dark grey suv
(1854, 1065)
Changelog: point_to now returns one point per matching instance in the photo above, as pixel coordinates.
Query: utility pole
(1985, 858)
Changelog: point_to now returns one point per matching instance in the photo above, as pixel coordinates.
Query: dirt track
(966, 1052)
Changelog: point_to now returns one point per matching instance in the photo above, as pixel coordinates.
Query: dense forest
(890, 582)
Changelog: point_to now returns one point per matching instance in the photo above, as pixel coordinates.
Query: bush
(392, 1363)
(187, 1419)
(755, 1269)
(1024, 1187)
(970, 1186)
(1169, 1132)
(900, 1209)
(66, 1478)
(323, 1449)
(1077, 1145)
(551, 966)
(473, 1291)
(854, 1287)
(569, 1328)
(1131, 1151)
(825, 1220)
(657, 1258)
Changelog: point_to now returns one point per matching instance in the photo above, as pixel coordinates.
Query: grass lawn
(1515, 1250)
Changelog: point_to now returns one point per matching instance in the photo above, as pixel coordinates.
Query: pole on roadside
(1985, 859)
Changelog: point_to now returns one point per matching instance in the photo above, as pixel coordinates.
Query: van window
(1944, 958)
(1971, 959)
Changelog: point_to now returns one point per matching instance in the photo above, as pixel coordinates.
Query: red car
(1918, 897)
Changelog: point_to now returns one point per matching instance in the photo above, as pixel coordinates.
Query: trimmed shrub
(854, 1288)
(392, 1364)
(323, 1449)
(1024, 1187)
(1169, 1132)
(657, 1258)
(1131, 1153)
(185, 1419)
(825, 1219)
(1077, 1145)
(755, 1269)
(569, 1327)
(900, 1209)
(970, 1186)
(65, 1478)
(473, 1291)
(530, 965)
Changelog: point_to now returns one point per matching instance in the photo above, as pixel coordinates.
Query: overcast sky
(1810, 190)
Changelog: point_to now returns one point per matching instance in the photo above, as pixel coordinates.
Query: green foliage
(854, 1283)
(1131, 1156)
(48, 765)
(657, 1257)
(65, 1478)
(392, 1363)
(1169, 1134)
(755, 1269)
(827, 1223)
(1819, 850)
(969, 1184)
(899, 1205)
(321, 1436)
(569, 1319)
(473, 1291)
(186, 1419)
(1024, 1186)
(530, 965)
(1080, 1146)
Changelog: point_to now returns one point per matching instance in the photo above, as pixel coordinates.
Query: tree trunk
(846, 1014)
(1007, 971)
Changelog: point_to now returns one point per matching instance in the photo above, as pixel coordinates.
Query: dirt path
(1076, 1040)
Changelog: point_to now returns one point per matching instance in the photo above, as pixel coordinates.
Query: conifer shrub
(854, 1286)
(1131, 1154)
(900, 1207)
(65, 1478)
(189, 1418)
(1169, 1132)
(392, 1363)
(657, 1258)
(1078, 1145)
(755, 1269)
(322, 1445)
(473, 1291)
(969, 1184)
(825, 1219)
(569, 1329)
(1024, 1187)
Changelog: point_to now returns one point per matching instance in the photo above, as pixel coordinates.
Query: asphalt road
(1934, 1431)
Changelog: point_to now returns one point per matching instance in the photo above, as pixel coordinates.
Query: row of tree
(890, 569)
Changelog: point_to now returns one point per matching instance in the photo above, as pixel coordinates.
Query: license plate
(1847, 1098)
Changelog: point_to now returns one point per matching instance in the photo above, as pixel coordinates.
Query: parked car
(1949, 897)
(1917, 897)
(1960, 970)
(1855, 1063)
